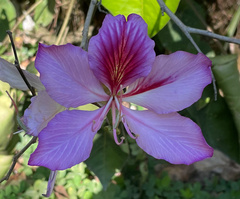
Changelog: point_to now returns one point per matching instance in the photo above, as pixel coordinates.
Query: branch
(33, 140)
(179, 23)
(88, 20)
(187, 30)
(213, 35)
(15, 158)
(18, 65)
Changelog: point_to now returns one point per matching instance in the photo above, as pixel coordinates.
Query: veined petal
(171, 137)
(65, 73)
(121, 52)
(10, 74)
(175, 82)
(66, 141)
(41, 110)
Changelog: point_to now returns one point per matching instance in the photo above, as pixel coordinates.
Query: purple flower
(121, 66)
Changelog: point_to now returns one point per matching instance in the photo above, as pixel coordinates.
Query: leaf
(44, 12)
(7, 17)
(227, 77)
(149, 10)
(5, 161)
(216, 122)
(7, 122)
(105, 158)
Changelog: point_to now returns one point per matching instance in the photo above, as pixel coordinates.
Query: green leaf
(5, 162)
(149, 10)
(7, 118)
(44, 12)
(227, 77)
(216, 122)
(7, 17)
(105, 158)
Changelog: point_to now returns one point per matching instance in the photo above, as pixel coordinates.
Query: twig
(179, 23)
(20, 19)
(88, 20)
(18, 65)
(187, 30)
(65, 22)
(213, 35)
(15, 158)
(33, 140)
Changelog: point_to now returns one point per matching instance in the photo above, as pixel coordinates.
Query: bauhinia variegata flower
(120, 66)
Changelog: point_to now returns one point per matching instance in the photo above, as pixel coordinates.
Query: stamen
(14, 104)
(51, 182)
(97, 124)
(116, 138)
(114, 124)
(127, 129)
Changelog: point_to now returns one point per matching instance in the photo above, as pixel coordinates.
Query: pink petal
(175, 82)
(10, 74)
(121, 52)
(41, 110)
(171, 137)
(66, 141)
(65, 73)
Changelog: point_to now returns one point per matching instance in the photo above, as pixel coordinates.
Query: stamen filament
(97, 124)
(128, 130)
(116, 138)
(114, 124)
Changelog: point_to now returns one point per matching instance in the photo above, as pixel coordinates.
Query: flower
(121, 57)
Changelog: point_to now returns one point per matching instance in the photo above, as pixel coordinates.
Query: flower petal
(171, 137)
(10, 74)
(66, 141)
(41, 110)
(175, 82)
(121, 52)
(65, 73)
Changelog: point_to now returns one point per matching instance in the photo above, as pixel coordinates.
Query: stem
(179, 23)
(15, 158)
(88, 20)
(18, 65)
(65, 22)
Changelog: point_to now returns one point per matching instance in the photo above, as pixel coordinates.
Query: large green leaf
(227, 77)
(44, 12)
(148, 9)
(5, 162)
(105, 158)
(7, 17)
(216, 122)
(7, 121)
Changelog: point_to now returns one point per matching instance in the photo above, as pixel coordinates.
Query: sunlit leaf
(148, 9)
(105, 158)
(5, 161)
(7, 17)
